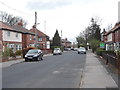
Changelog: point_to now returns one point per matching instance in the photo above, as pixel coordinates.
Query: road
(58, 71)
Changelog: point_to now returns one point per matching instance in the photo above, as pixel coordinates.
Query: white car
(81, 50)
(57, 51)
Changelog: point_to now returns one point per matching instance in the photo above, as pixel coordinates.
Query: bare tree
(10, 19)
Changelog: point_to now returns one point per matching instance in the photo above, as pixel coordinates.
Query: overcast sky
(70, 16)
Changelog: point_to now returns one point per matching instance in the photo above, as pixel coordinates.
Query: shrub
(18, 52)
(99, 51)
(8, 52)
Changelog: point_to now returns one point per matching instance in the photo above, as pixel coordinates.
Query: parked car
(57, 51)
(75, 49)
(33, 55)
(81, 50)
(67, 49)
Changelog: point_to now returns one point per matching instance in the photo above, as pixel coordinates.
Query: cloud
(47, 5)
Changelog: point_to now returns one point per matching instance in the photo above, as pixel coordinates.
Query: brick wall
(30, 39)
(117, 35)
(24, 41)
(0, 40)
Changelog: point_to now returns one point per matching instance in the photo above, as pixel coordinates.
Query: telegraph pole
(36, 40)
(45, 26)
(35, 18)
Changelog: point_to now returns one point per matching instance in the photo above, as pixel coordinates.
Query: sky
(69, 16)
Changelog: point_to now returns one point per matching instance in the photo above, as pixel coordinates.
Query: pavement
(95, 74)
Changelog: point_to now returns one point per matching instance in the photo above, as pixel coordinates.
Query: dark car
(34, 55)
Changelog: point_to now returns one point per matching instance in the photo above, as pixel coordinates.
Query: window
(8, 33)
(30, 37)
(16, 35)
(40, 39)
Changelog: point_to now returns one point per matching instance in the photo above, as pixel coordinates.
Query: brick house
(42, 39)
(28, 37)
(66, 43)
(112, 38)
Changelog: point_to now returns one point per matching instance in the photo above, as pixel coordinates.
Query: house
(15, 37)
(41, 39)
(10, 37)
(66, 43)
(112, 38)
(28, 37)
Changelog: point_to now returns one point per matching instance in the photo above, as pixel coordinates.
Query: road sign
(102, 45)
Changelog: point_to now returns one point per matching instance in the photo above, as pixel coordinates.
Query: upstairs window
(40, 39)
(8, 33)
(16, 35)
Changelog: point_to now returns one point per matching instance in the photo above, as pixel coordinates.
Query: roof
(116, 27)
(41, 34)
(14, 28)
(64, 40)
(24, 30)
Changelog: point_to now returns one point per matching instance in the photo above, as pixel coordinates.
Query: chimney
(33, 26)
(20, 23)
(66, 39)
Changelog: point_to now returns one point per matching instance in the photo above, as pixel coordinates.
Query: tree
(94, 44)
(56, 39)
(81, 41)
(93, 31)
(10, 19)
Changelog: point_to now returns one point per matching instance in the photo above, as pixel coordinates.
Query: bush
(99, 51)
(8, 52)
(18, 52)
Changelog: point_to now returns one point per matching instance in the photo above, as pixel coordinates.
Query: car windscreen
(56, 49)
(81, 48)
(32, 51)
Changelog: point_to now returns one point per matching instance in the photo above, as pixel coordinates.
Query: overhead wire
(15, 9)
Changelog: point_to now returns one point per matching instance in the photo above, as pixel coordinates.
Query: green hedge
(99, 51)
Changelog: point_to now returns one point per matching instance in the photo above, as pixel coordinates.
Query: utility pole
(61, 40)
(35, 18)
(45, 26)
(36, 39)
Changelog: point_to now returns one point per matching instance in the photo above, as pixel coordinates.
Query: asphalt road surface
(58, 71)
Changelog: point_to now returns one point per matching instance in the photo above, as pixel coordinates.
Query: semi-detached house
(17, 37)
(10, 37)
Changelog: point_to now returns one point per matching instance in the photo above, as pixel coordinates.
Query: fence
(111, 58)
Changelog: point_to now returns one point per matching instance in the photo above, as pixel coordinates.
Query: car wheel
(42, 58)
(26, 60)
(39, 58)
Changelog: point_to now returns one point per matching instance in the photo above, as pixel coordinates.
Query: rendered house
(10, 37)
(14, 37)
